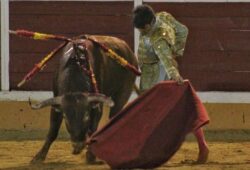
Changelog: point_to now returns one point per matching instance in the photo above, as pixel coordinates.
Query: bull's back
(113, 79)
(119, 46)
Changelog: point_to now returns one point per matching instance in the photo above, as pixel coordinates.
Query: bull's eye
(86, 117)
(57, 109)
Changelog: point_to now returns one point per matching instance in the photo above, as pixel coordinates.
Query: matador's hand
(178, 79)
(175, 75)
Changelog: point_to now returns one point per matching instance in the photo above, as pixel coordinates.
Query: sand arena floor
(16, 155)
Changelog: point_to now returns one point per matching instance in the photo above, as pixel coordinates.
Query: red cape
(147, 132)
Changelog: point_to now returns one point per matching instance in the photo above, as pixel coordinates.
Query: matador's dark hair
(143, 15)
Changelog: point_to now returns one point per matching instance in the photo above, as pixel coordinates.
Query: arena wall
(217, 51)
(216, 58)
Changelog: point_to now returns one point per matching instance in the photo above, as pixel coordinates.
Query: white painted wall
(206, 97)
(4, 45)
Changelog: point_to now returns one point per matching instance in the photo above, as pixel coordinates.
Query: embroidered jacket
(165, 41)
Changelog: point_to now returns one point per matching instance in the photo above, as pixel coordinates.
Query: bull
(71, 88)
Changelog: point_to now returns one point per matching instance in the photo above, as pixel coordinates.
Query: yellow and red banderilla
(116, 57)
(41, 64)
(39, 36)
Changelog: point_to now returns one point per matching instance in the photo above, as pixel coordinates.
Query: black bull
(81, 118)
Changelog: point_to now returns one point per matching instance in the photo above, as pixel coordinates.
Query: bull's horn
(48, 102)
(100, 98)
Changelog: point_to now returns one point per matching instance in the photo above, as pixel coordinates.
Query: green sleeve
(164, 52)
(140, 52)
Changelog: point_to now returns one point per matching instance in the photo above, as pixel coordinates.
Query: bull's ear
(48, 102)
(92, 97)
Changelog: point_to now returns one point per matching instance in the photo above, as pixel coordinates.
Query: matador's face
(146, 29)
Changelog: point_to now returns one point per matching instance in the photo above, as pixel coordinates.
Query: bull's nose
(77, 147)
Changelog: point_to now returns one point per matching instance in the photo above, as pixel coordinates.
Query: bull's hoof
(90, 158)
(37, 160)
(77, 147)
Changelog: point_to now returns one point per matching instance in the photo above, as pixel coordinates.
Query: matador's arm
(164, 52)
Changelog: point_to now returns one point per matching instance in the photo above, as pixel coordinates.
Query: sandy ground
(16, 155)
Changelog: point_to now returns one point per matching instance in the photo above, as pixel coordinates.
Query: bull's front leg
(95, 117)
(55, 123)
